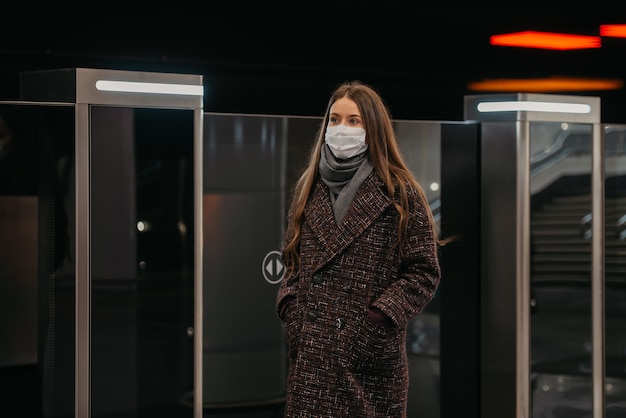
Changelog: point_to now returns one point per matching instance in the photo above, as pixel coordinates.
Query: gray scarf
(343, 178)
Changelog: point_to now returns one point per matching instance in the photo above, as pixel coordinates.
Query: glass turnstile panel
(142, 262)
(36, 269)
(245, 165)
(560, 268)
(615, 268)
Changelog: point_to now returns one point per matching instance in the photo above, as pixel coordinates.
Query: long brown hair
(384, 155)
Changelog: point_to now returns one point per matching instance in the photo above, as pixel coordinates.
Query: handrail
(576, 140)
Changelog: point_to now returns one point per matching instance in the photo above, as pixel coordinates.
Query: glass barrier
(560, 258)
(615, 268)
(37, 324)
(142, 261)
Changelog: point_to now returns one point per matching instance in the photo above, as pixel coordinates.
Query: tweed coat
(342, 363)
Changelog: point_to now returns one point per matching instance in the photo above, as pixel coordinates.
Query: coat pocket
(373, 346)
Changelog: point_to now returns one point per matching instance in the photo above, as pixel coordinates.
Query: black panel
(460, 284)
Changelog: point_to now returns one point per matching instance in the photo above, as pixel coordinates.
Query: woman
(360, 252)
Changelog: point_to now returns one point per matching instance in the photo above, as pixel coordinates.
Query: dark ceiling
(286, 60)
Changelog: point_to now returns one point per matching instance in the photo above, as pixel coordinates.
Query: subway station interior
(140, 233)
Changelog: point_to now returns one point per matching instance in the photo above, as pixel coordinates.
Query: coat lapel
(370, 201)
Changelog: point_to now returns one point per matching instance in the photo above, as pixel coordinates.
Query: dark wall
(266, 59)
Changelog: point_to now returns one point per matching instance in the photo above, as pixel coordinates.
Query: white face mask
(345, 141)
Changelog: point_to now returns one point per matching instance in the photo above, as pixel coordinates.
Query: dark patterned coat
(341, 363)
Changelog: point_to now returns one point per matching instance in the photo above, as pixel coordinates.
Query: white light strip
(143, 87)
(534, 107)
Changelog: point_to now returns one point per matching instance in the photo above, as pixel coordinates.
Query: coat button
(317, 279)
(346, 287)
(313, 314)
(340, 323)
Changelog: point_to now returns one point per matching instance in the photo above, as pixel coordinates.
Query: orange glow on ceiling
(546, 85)
(546, 40)
(615, 31)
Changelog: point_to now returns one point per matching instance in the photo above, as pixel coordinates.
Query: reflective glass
(36, 259)
(560, 254)
(142, 281)
(615, 269)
